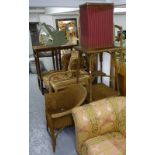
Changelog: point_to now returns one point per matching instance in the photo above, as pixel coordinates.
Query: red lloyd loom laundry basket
(96, 25)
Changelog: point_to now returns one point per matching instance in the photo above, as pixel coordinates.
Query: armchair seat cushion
(108, 144)
(63, 79)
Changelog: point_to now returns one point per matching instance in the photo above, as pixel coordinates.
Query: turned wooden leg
(50, 124)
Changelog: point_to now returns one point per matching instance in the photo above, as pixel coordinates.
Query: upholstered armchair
(101, 127)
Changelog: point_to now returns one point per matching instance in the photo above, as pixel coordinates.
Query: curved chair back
(61, 103)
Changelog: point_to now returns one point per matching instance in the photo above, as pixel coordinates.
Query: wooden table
(48, 51)
(90, 53)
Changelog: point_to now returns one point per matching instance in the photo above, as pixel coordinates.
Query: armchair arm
(97, 118)
(92, 120)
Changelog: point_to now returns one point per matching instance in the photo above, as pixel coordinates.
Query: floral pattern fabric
(108, 144)
(98, 118)
(62, 79)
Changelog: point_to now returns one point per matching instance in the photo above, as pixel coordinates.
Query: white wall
(120, 19)
(30, 45)
(48, 19)
(33, 17)
(60, 3)
(68, 3)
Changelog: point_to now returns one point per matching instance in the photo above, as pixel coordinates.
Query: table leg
(78, 68)
(112, 72)
(90, 77)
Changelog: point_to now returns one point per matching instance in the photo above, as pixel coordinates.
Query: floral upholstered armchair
(101, 127)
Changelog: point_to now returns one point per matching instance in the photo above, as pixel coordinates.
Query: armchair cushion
(108, 144)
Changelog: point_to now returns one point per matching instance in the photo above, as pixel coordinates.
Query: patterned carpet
(39, 138)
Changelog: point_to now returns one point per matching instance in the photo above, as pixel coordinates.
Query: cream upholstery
(101, 124)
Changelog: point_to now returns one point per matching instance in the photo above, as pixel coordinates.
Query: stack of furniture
(101, 127)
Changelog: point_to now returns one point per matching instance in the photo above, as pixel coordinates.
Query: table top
(91, 51)
(45, 48)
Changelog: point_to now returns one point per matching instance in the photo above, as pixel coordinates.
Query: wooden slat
(56, 58)
(101, 60)
(53, 60)
(60, 65)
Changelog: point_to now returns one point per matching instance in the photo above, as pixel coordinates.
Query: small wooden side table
(89, 56)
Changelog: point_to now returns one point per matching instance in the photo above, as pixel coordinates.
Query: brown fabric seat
(107, 144)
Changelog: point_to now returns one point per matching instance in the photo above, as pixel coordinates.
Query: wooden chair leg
(42, 87)
(50, 124)
(46, 121)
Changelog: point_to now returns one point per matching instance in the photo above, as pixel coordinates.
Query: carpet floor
(39, 138)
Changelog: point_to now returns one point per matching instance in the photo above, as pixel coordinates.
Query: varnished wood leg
(50, 124)
(112, 74)
(78, 69)
(42, 88)
(46, 122)
(101, 60)
(90, 78)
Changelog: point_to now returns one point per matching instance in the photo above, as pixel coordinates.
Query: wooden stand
(92, 74)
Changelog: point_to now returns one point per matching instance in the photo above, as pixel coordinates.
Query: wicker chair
(59, 106)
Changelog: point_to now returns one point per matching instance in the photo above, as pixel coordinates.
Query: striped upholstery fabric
(97, 119)
(96, 25)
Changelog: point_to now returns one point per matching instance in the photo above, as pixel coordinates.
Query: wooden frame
(69, 25)
(89, 55)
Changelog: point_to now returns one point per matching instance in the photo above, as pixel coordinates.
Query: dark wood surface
(43, 48)
(101, 50)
